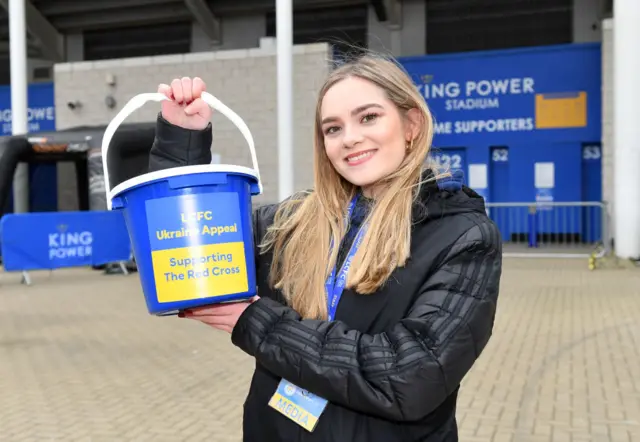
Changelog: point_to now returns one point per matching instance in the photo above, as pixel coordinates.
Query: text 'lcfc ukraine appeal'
(197, 246)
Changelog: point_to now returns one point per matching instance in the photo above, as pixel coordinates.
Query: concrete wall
(238, 32)
(245, 80)
(587, 26)
(405, 38)
(607, 116)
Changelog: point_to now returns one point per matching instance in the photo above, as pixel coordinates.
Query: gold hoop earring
(410, 145)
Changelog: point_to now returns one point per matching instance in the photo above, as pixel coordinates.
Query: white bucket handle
(139, 100)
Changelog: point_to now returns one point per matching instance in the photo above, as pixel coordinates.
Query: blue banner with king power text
(539, 94)
(41, 112)
(51, 240)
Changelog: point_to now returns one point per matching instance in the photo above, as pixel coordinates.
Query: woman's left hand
(221, 316)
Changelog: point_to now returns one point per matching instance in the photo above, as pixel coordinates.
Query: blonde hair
(305, 224)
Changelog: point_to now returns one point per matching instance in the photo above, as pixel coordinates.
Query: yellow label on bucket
(200, 272)
(197, 246)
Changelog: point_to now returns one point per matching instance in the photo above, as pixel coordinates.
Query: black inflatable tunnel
(12, 149)
(128, 154)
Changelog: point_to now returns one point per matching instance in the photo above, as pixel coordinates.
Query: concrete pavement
(81, 360)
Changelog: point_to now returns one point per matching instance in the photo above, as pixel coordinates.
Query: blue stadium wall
(522, 124)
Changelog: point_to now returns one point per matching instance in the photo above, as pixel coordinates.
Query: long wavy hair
(305, 224)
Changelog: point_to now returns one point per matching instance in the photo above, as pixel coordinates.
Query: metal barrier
(558, 230)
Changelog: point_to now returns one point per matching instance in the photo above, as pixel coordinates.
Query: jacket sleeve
(175, 146)
(406, 372)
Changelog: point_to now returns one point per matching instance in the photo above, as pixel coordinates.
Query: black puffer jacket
(391, 363)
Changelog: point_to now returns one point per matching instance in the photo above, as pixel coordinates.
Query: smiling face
(365, 136)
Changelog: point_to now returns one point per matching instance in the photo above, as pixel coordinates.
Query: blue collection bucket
(190, 227)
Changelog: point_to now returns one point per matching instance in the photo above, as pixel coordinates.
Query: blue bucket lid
(160, 175)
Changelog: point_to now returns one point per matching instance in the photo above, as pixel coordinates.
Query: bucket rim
(177, 171)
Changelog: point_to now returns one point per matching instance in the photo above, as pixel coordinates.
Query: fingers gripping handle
(139, 100)
(218, 105)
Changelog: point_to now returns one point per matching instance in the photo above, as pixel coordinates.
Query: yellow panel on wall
(561, 110)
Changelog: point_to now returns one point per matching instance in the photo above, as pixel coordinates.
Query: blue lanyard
(336, 287)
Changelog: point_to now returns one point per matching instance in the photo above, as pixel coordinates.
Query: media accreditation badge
(301, 406)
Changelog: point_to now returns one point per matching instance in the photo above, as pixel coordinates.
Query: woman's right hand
(185, 107)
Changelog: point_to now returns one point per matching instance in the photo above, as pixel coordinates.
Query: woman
(380, 358)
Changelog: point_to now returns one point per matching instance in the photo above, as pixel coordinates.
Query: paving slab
(81, 360)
